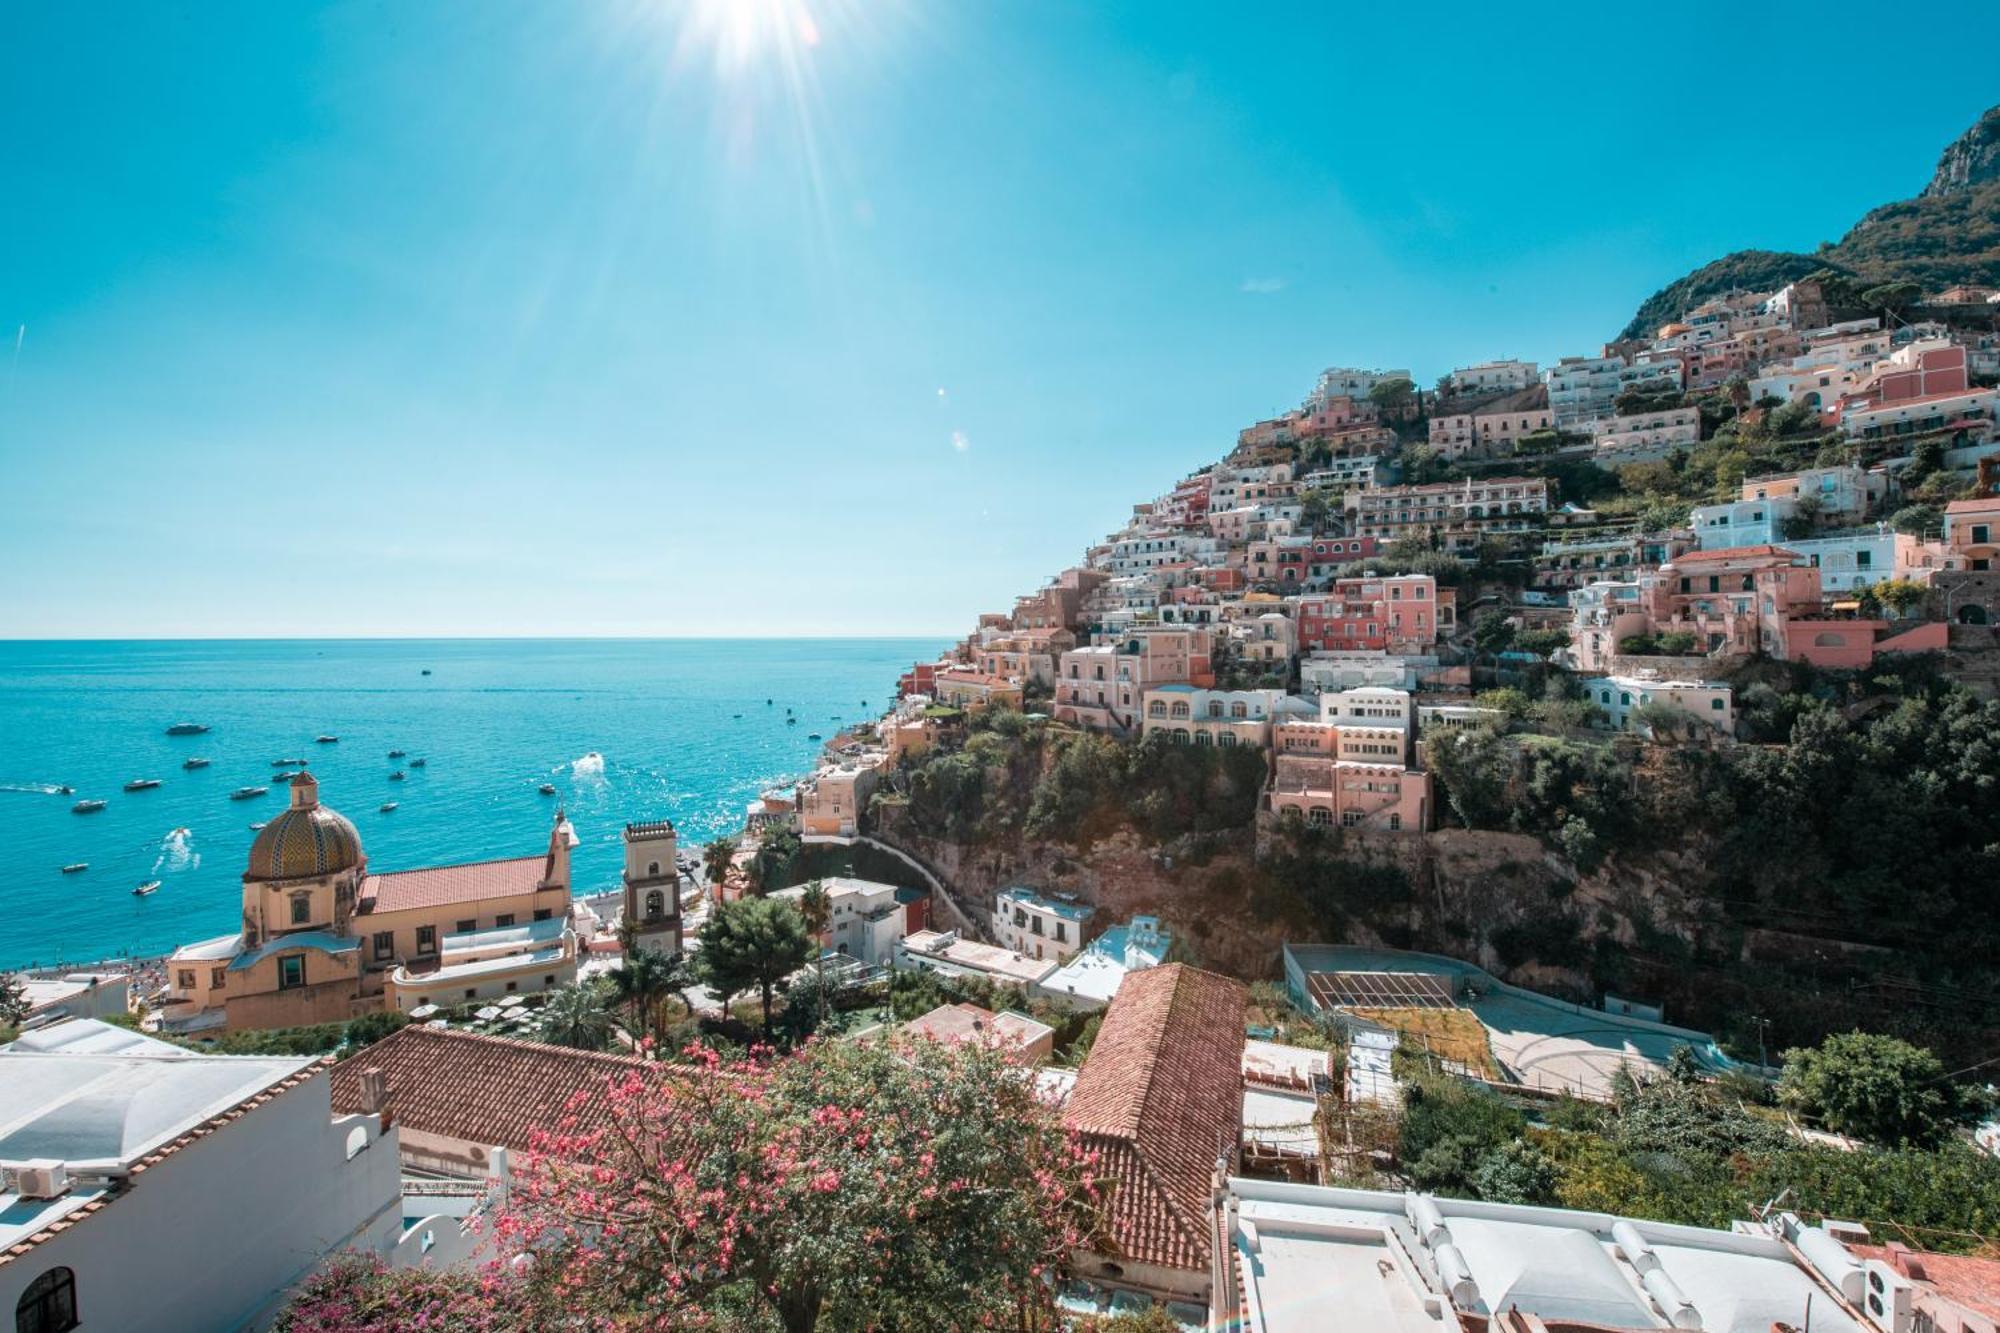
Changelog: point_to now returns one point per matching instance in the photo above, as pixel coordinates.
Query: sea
(690, 730)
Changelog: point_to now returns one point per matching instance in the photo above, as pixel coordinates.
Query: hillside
(1949, 233)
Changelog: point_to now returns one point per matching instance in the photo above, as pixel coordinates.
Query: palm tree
(717, 857)
(575, 1016)
(643, 980)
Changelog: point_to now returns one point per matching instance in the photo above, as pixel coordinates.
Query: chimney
(375, 1096)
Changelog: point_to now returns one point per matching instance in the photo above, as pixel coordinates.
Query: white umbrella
(488, 1014)
(423, 1011)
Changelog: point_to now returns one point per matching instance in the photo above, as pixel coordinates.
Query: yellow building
(323, 940)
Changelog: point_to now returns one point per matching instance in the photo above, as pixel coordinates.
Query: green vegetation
(317, 1039)
(644, 983)
(577, 1016)
(752, 944)
(1872, 1087)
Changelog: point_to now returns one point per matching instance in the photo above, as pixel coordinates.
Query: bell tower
(653, 886)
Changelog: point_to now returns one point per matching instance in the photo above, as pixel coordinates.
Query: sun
(740, 35)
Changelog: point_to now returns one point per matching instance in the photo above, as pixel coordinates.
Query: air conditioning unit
(42, 1178)
(1888, 1298)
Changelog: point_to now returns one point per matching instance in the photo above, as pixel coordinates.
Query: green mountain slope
(1949, 233)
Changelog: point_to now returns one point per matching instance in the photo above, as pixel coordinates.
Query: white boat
(186, 729)
(86, 807)
(247, 793)
(387, 806)
(149, 886)
(75, 867)
(548, 789)
(325, 740)
(288, 763)
(142, 784)
(258, 828)
(194, 763)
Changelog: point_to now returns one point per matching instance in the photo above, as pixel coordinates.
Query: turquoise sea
(624, 729)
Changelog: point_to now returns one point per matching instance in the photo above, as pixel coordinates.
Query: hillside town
(385, 1082)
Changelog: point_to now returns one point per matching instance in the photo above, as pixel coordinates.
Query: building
(1351, 793)
(1849, 561)
(151, 1189)
(1623, 700)
(1584, 388)
(1347, 382)
(865, 919)
(967, 687)
(1089, 979)
(324, 940)
(1354, 472)
(1735, 600)
(652, 882)
(1464, 508)
(949, 954)
(1295, 1258)
(1494, 427)
(1494, 377)
(833, 800)
(1601, 614)
(1216, 717)
(1034, 1042)
(1160, 1101)
(1044, 925)
(1645, 437)
(1574, 562)
(1969, 532)
(1324, 673)
(1399, 613)
(1102, 687)
(1746, 522)
(1834, 494)
(74, 995)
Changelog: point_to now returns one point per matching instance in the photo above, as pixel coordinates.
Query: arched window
(1239, 709)
(656, 905)
(1180, 710)
(48, 1305)
(1215, 708)
(1157, 708)
(652, 869)
(302, 908)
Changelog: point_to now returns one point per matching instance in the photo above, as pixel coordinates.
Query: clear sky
(792, 317)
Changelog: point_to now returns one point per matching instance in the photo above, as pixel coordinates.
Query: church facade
(324, 940)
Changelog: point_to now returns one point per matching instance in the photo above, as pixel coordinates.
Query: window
(385, 945)
(427, 939)
(218, 977)
(1715, 705)
(504, 919)
(544, 913)
(1982, 533)
(1062, 933)
(652, 869)
(49, 1304)
(656, 905)
(513, 986)
(461, 927)
(302, 909)
(291, 971)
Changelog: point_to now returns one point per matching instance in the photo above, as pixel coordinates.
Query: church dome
(305, 842)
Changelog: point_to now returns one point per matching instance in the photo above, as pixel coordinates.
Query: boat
(387, 806)
(427, 671)
(397, 754)
(148, 887)
(76, 867)
(187, 729)
(287, 763)
(397, 776)
(257, 828)
(325, 740)
(65, 790)
(247, 793)
(548, 789)
(418, 762)
(86, 807)
(194, 763)
(812, 735)
(142, 784)
(283, 777)
(790, 720)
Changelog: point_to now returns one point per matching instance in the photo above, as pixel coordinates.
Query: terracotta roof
(1966, 1279)
(484, 1090)
(436, 886)
(1976, 504)
(1160, 1098)
(1732, 553)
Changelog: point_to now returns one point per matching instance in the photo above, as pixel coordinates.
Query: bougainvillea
(848, 1186)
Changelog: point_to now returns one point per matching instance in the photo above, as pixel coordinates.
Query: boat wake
(177, 853)
(590, 768)
(31, 788)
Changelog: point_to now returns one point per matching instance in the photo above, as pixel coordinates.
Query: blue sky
(766, 317)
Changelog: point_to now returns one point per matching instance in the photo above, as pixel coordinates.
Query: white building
(1324, 673)
(1711, 703)
(1584, 388)
(1344, 474)
(1089, 980)
(1368, 706)
(1042, 925)
(1740, 522)
(1647, 436)
(151, 1188)
(1304, 1258)
(949, 954)
(1600, 614)
(1850, 561)
(865, 919)
(1494, 377)
(1347, 382)
(74, 995)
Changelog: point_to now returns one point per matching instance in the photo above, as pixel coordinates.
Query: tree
(717, 857)
(895, 1185)
(816, 910)
(575, 1016)
(1492, 634)
(1392, 398)
(1926, 458)
(1872, 1087)
(13, 1001)
(1917, 520)
(643, 980)
(1900, 595)
(752, 944)
(1543, 643)
(777, 852)
(1516, 1172)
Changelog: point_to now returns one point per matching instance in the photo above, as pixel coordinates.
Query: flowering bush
(849, 1186)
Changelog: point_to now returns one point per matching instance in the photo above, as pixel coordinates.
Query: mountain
(1949, 233)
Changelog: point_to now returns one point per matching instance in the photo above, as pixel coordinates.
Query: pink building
(1103, 687)
(1351, 793)
(1733, 600)
(1398, 613)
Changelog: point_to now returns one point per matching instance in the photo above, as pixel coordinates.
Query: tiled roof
(484, 1090)
(1730, 553)
(1977, 504)
(1971, 1281)
(436, 886)
(1160, 1098)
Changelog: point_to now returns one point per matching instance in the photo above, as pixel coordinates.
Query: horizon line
(470, 638)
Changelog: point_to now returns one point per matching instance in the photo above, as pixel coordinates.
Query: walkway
(962, 923)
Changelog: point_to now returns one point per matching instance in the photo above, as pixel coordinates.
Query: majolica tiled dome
(305, 841)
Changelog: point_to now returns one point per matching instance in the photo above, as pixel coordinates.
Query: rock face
(1972, 159)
